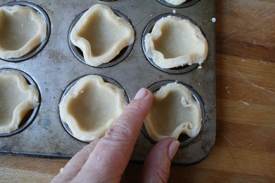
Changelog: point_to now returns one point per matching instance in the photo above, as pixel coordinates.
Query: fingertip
(165, 143)
(173, 148)
(142, 93)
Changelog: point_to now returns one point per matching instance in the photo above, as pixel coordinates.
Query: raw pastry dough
(17, 98)
(175, 42)
(91, 107)
(175, 2)
(173, 112)
(101, 35)
(22, 29)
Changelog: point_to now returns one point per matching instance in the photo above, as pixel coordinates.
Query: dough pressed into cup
(174, 111)
(22, 29)
(101, 35)
(17, 98)
(175, 42)
(91, 106)
(175, 2)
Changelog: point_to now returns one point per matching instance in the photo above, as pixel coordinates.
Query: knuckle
(118, 132)
(121, 130)
(135, 109)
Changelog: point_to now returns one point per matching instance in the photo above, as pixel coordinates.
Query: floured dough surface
(173, 112)
(91, 107)
(175, 42)
(101, 35)
(175, 2)
(22, 29)
(17, 98)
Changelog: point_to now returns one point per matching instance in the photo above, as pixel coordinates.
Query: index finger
(112, 153)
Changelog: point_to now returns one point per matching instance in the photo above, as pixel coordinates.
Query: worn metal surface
(55, 67)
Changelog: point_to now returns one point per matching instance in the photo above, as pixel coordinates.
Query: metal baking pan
(57, 64)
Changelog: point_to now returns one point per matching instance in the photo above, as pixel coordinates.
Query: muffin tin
(57, 65)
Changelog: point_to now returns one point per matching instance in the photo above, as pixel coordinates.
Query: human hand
(105, 159)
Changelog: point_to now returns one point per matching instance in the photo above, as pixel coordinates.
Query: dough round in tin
(175, 2)
(174, 111)
(22, 30)
(91, 106)
(175, 42)
(17, 98)
(101, 35)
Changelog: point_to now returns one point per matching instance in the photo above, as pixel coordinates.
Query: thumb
(158, 162)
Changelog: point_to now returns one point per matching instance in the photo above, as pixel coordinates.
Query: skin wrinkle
(136, 110)
(157, 165)
(162, 171)
(78, 161)
(162, 175)
(111, 146)
(101, 176)
(119, 132)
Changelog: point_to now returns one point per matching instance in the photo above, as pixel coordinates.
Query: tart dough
(91, 107)
(175, 2)
(173, 112)
(175, 42)
(17, 98)
(22, 29)
(101, 35)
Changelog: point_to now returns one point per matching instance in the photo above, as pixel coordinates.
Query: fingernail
(173, 148)
(141, 93)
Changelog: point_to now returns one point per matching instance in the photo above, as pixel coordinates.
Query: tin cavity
(106, 79)
(30, 116)
(119, 58)
(148, 29)
(183, 138)
(48, 33)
